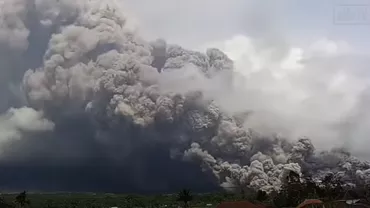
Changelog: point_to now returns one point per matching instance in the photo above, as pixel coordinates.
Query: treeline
(21, 200)
(294, 191)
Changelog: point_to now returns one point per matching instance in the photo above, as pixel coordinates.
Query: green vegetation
(119, 200)
(293, 192)
(185, 197)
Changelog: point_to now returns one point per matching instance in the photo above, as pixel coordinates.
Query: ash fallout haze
(127, 96)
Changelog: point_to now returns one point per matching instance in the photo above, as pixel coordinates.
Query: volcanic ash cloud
(136, 93)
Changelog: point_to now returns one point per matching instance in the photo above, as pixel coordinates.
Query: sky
(198, 22)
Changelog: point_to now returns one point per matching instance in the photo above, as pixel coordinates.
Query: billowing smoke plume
(17, 122)
(100, 97)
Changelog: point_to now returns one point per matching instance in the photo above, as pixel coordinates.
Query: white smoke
(314, 90)
(17, 122)
(192, 102)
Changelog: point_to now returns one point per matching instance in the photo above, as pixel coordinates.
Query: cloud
(17, 122)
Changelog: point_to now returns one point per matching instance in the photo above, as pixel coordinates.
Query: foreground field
(69, 200)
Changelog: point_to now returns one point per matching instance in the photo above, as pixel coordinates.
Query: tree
(360, 191)
(312, 190)
(3, 203)
(261, 196)
(21, 200)
(333, 187)
(242, 193)
(185, 197)
(292, 191)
